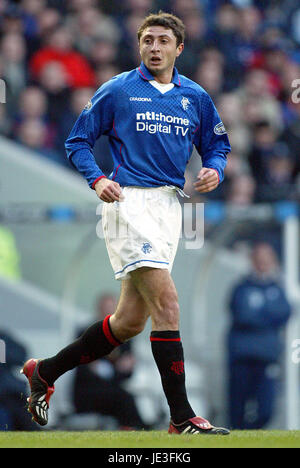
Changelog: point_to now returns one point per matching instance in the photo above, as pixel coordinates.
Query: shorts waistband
(166, 188)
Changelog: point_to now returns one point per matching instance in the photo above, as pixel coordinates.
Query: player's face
(159, 50)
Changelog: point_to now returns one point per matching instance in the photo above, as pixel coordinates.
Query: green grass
(153, 439)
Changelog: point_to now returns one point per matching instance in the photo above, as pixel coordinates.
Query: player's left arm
(212, 143)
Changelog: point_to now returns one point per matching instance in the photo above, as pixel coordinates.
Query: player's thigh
(131, 314)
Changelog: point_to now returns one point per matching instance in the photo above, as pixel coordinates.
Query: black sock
(168, 354)
(97, 341)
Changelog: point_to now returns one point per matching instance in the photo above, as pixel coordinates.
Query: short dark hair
(166, 20)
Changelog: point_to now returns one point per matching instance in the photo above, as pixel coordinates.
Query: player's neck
(165, 77)
(162, 80)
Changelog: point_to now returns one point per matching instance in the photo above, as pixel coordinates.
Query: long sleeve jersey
(151, 134)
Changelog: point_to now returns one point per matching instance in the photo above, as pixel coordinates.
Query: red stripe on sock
(108, 333)
(164, 339)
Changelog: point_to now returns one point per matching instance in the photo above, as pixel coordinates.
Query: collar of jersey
(146, 75)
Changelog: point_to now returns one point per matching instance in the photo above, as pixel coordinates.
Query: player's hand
(207, 180)
(108, 190)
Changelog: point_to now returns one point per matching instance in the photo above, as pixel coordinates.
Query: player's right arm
(95, 120)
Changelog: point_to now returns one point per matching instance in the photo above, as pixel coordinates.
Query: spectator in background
(102, 53)
(139, 7)
(195, 41)
(32, 133)
(277, 180)
(47, 21)
(257, 101)
(263, 141)
(3, 8)
(11, 21)
(12, 414)
(232, 117)
(209, 75)
(91, 24)
(183, 8)
(273, 59)
(259, 310)
(60, 50)
(295, 23)
(105, 73)
(248, 26)
(98, 387)
(238, 187)
(272, 164)
(54, 81)
(224, 36)
(33, 104)
(241, 190)
(129, 54)
(77, 6)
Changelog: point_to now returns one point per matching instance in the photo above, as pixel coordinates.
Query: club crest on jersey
(146, 248)
(220, 129)
(89, 105)
(185, 103)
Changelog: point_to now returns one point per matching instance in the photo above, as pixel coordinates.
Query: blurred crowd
(245, 54)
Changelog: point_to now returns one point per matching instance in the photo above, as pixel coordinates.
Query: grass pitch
(152, 439)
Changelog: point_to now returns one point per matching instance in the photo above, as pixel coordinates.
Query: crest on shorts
(185, 103)
(146, 248)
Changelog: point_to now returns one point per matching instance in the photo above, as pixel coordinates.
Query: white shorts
(143, 230)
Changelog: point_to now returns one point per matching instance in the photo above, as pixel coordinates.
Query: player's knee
(134, 328)
(126, 329)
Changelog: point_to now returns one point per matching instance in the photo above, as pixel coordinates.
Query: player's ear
(179, 49)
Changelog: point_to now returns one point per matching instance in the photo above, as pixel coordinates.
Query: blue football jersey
(151, 134)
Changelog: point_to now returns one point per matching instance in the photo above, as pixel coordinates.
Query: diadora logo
(185, 103)
(140, 99)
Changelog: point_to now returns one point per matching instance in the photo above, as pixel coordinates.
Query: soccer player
(153, 117)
